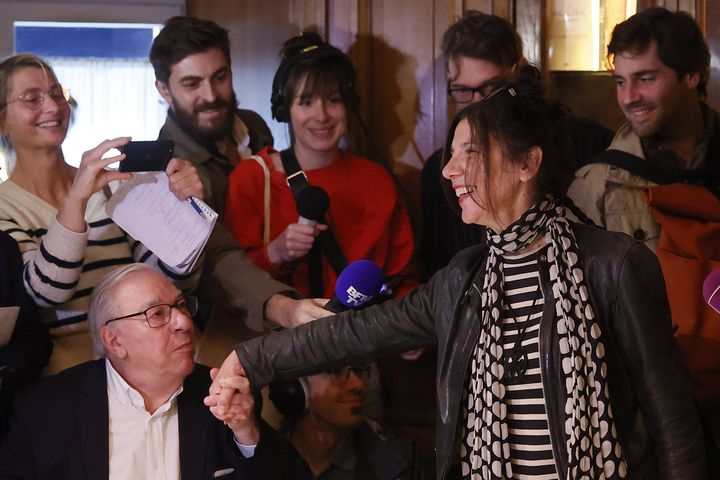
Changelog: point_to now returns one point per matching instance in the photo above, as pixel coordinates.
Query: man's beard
(188, 122)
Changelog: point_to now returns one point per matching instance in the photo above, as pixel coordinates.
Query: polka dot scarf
(590, 442)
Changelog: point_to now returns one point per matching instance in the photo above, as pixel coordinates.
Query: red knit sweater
(367, 215)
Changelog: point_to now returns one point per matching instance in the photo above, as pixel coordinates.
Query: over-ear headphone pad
(288, 397)
(278, 109)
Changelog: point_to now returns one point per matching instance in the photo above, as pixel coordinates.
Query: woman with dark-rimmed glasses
(556, 357)
(56, 212)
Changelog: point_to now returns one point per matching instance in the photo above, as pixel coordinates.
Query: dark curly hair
(482, 36)
(680, 43)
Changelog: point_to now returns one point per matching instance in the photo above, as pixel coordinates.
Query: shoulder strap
(266, 198)
(635, 165)
(709, 175)
(326, 241)
(294, 175)
(712, 157)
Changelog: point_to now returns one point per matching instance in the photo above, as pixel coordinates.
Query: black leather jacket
(657, 423)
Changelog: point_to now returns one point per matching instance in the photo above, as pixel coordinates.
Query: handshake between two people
(231, 401)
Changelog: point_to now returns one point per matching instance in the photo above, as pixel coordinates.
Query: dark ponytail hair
(518, 117)
(326, 69)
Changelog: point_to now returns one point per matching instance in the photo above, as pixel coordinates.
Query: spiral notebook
(176, 231)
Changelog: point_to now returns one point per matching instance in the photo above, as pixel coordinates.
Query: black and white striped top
(530, 449)
(531, 453)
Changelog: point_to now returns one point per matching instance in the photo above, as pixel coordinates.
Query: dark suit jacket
(60, 431)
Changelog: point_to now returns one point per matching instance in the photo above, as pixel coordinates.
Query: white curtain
(115, 97)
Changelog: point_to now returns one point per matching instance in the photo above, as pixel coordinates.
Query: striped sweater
(61, 267)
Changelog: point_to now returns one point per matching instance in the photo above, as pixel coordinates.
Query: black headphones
(290, 397)
(280, 107)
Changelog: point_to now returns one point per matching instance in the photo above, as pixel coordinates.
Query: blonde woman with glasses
(56, 212)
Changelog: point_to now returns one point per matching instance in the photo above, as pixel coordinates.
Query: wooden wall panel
(503, 8)
(446, 12)
(308, 15)
(529, 23)
(643, 4)
(480, 5)
(349, 30)
(402, 83)
(689, 6)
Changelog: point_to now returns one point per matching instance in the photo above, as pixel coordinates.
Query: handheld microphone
(356, 285)
(711, 290)
(312, 204)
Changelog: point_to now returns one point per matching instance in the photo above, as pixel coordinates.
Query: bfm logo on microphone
(355, 298)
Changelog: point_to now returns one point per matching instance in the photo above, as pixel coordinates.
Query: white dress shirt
(142, 445)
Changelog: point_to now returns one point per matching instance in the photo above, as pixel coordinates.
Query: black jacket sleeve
(393, 327)
(642, 333)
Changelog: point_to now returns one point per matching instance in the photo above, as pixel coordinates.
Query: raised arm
(53, 265)
(350, 337)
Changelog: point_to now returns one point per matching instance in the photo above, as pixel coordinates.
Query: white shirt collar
(127, 395)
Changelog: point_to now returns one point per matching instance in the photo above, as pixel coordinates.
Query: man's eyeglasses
(466, 94)
(342, 375)
(35, 98)
(159, 315)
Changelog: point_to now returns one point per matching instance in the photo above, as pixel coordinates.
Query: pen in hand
(193, 202)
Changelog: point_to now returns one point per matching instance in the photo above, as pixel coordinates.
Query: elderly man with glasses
(138, 412)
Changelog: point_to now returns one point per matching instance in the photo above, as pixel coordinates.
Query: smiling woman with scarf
(555, 350)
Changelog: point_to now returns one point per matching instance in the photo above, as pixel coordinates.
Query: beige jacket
(613, 198)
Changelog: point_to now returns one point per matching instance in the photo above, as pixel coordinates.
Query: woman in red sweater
(314, 92)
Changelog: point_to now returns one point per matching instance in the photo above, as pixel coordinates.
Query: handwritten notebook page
(172, 229)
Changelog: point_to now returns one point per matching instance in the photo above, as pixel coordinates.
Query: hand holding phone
(146, 156)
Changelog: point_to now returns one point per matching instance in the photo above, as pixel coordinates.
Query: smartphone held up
(146, 156)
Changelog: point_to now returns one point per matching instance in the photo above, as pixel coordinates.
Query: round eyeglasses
(35, 98)
(342, 375)
(159, 315)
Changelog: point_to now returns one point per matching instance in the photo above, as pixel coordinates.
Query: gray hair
(102, 308)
